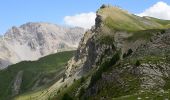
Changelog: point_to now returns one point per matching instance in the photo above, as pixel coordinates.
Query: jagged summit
(31, 41)
(33, 27)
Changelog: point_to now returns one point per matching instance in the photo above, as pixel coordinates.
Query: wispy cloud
(85, 20)
(159, 10)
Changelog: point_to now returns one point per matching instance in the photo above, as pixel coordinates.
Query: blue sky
(17, 12)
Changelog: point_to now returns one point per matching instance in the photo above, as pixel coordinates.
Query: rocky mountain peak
(31, 41)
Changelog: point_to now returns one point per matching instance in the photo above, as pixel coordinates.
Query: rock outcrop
(17, 83)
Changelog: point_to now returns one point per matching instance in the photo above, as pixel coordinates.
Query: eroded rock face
(17, 83)
(34, 40)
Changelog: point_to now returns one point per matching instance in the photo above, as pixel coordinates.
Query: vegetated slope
(32, 41)
(119, 19)
(122, 57)
(36, 75)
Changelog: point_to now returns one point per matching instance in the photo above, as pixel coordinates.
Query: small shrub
(70, 75)
(82, 79)
(58, 91)
(103, 6)
(108, 39)
(65, 86)
(64, 76)
(124, 55)
(162, 31)
(128, 53)
(67, 97)
(137, 63)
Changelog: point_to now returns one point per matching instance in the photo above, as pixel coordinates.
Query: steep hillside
(122, 57)
(34, 40)
(118, 19)
(32, 76)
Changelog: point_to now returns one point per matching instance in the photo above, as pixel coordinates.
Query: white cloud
(159, 10)
(85, 20)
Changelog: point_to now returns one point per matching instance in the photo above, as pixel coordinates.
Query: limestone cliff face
(34, 40)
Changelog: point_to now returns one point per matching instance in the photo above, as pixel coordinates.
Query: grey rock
(34, 40)
(17, 83)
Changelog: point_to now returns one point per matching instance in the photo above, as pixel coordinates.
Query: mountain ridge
(31, 41)
(105, 59)
(122, 57)
(28, 76)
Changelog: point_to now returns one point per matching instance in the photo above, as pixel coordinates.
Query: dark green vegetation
(70, 91)
(128, 53)
(66, 97)
(118, 84)
(76, 90)
(104, 67)
(50, 67)
(108, 39)
(138, 63)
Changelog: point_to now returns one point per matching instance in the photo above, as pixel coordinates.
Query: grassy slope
(46, 67)
(118, 19)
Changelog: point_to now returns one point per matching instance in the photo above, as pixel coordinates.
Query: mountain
(34, 40)
(33, 76)
(115, 29)
(122, 57)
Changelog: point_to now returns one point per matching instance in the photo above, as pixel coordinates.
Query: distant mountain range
(34, 40)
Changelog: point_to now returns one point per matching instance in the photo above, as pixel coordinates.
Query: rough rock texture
(152, 74)
(17, 83)
(34, 40)
(158, 45)
(98, 43)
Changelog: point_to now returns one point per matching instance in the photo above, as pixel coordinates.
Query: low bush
(67, 97)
